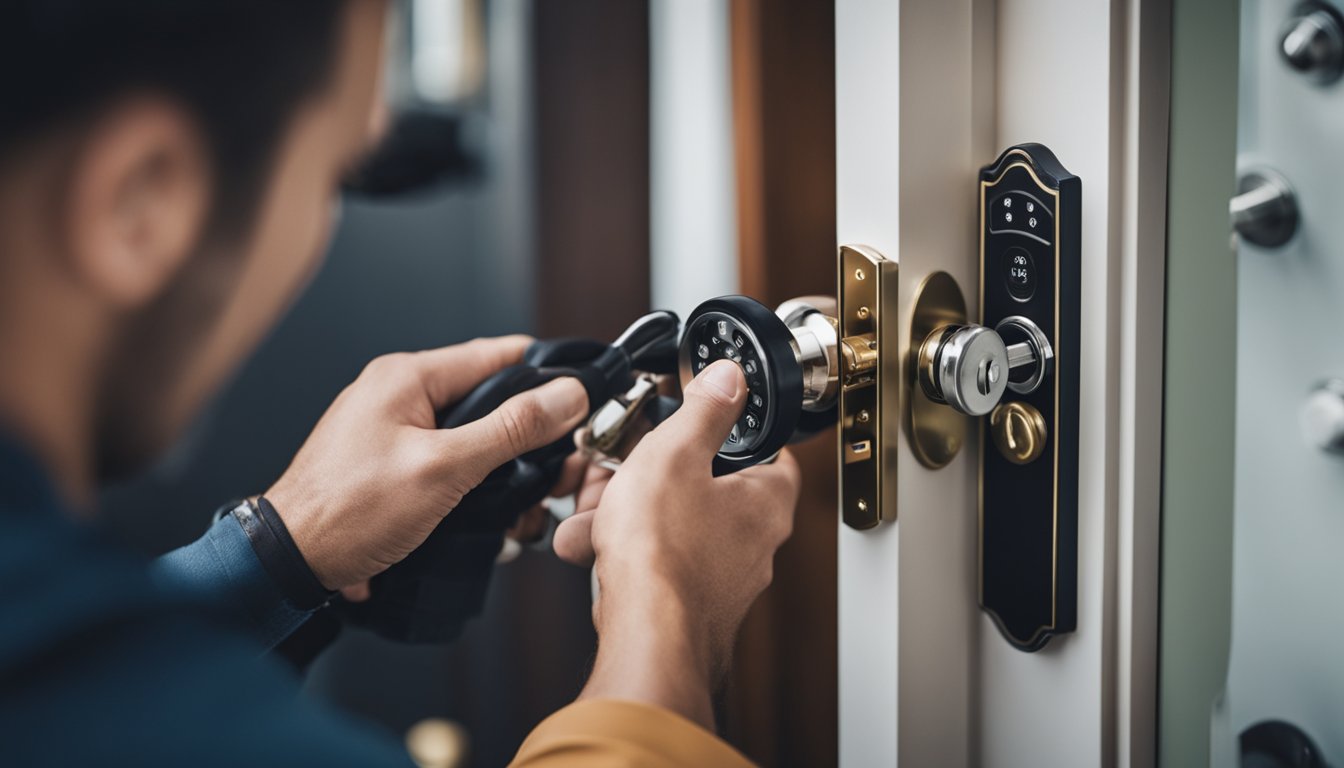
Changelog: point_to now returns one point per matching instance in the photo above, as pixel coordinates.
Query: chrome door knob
(1264, 212)
(968, 367)
(1313, 43)
(964, 366)
(1322, 416)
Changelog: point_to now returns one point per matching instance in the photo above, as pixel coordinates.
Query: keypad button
(757, 401)
(751, 421)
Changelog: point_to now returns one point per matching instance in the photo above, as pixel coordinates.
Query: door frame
(926, 94)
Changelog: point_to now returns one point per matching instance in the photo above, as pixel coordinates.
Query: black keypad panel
(1030, 268)
(715, 336)
(1024, 213)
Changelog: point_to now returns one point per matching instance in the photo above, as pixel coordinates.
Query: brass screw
(859, 274)
(863, 313)
(863, 505)
(862, 417)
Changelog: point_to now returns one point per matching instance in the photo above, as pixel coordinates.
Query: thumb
(712, 404)
(526, 421)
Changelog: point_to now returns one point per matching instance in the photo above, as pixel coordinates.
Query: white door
(927, 93)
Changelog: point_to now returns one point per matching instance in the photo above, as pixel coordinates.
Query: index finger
(449, 373)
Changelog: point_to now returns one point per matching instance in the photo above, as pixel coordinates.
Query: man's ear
(139, 193)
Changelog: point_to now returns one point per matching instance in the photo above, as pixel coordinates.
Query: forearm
(222, 566)
(652, 649)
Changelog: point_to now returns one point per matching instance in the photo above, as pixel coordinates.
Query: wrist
(279, 556)
(288, 503)
(654, 649)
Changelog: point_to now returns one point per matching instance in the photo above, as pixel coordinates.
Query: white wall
(693, 177)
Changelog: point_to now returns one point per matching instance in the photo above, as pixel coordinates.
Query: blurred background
(602, 157)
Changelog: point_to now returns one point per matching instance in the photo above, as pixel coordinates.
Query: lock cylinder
(968, 367)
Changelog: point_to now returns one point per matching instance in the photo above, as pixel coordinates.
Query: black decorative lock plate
(1030, 267)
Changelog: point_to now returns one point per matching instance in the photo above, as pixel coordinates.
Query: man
(167, 174)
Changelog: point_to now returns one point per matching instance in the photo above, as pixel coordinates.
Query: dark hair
(239, 67)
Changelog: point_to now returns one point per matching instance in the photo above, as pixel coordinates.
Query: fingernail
(724, 376)
(563, 399)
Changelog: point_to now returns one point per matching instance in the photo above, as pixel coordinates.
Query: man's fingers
(449, 373)
(571, 476)
(594, 483)
(526, 421)
(573, 540)
(711, 405)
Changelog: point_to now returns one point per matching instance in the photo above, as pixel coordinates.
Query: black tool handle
(429, 596)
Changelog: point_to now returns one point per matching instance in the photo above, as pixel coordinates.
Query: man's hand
(377, 475)
(680, 554)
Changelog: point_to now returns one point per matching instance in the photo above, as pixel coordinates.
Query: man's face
(178, 350)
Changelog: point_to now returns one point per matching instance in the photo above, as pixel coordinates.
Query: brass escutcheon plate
(936, 432)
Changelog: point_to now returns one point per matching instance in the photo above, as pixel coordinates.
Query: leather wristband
(279, 555)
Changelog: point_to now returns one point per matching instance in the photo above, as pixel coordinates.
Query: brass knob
(1019, 432)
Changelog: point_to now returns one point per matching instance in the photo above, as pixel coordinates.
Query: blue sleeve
(222, 567)
(101, 665)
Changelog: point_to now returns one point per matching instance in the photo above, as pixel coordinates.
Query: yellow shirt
(605, 733)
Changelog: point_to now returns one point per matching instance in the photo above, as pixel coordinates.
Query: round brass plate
(1019, 432)
(936, 431)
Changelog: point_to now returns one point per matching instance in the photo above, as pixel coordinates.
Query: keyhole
(988, 376)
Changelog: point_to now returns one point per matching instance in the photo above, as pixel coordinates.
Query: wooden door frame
(781, 704)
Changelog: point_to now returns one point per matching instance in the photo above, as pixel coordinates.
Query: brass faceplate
(936, 431)
(870, 386)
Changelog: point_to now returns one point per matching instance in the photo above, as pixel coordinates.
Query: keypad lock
(790, 359)
(744, 331)
(811, 363)
(1017, 374)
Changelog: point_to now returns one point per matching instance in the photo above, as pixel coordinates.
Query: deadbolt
(968, 367)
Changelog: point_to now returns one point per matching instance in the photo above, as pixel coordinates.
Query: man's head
(168, 172)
